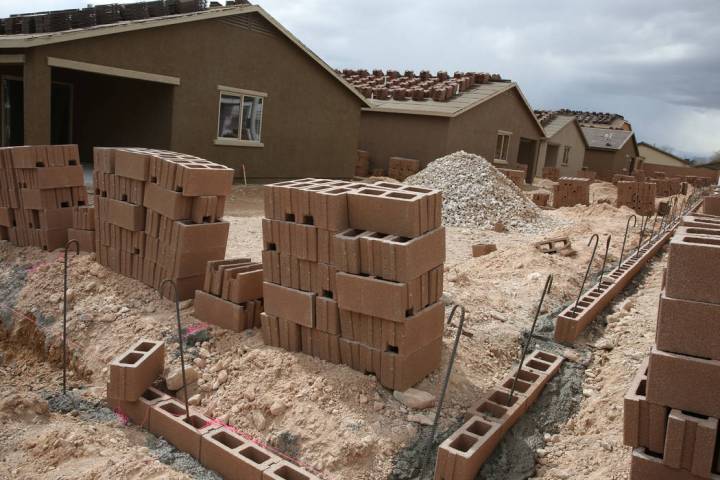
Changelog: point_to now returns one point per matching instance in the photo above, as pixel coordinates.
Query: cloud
(654, 61)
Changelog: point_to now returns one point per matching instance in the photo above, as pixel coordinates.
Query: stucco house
(565, 145)
(611, 151)
(428, 116)
(229, 84)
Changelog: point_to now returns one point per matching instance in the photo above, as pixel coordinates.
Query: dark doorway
(526, 156)
(61, 104)
(12, 111)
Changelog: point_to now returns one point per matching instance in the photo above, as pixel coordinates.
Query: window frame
(504, 147)
(241, 94)
(565, 161)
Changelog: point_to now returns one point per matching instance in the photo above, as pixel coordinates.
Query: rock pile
(476, 194)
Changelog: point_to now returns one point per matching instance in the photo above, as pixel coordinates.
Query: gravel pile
(476, 194)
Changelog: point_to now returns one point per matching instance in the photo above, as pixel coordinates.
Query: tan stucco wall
(570, 135)
(386, 135)
(311, 122)
(426, 138)
(607, 163)
(654, 157)
(476, 130)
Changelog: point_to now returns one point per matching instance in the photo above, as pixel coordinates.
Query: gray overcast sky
(657, 62)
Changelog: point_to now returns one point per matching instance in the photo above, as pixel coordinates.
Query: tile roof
(91, 16)
(425, 93)
(606, 138)
(595, 119)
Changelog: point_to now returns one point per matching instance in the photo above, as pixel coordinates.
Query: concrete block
(689, 328)
(284, 470)
(694, 257)
(139, 411)
(133, 371)
(168, 420)
(461, 455)
(644, 423)
(690, 443)
(289, 304)
(222, 313)
(646, 465)
(683, 382)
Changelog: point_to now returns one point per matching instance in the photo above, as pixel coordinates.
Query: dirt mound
(476, 194)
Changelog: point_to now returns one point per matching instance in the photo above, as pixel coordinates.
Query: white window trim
(503, 133)
(236, 142)
(240, 91)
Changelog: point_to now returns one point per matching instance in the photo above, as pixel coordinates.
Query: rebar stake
(602, 269)
(65, 287)
(180, 342)
(451, 362)
(587, 272)
(546, 290)
(627, 228)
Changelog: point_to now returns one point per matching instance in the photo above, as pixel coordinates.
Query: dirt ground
(329, 417)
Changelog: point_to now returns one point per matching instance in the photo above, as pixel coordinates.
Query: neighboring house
(482, 115)
(228, 84)
(611, 151)
(565, 145)
(653, 155)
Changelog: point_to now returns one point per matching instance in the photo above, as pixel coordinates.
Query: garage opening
(95, 110)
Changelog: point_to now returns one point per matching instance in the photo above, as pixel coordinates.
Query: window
(566, 156)
(502, 146)
(240, 117)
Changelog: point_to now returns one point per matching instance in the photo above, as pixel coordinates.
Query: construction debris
(476, 194)
(480, 249)
(559, 245)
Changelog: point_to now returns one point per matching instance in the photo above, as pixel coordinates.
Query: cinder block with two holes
(694, 257)
(133, 371)
(169, 420)
(234, 457)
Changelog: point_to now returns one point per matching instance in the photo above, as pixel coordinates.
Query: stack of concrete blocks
(362, 164)
(354, 275)
(400, 168)
(663, 186)
(83, 228)
(39, 187)
(551, 173)
(640, 196)
(130, 392)
(672, 407)
(570, 191)
(231, 297)
(158, 215)
(515, 176)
